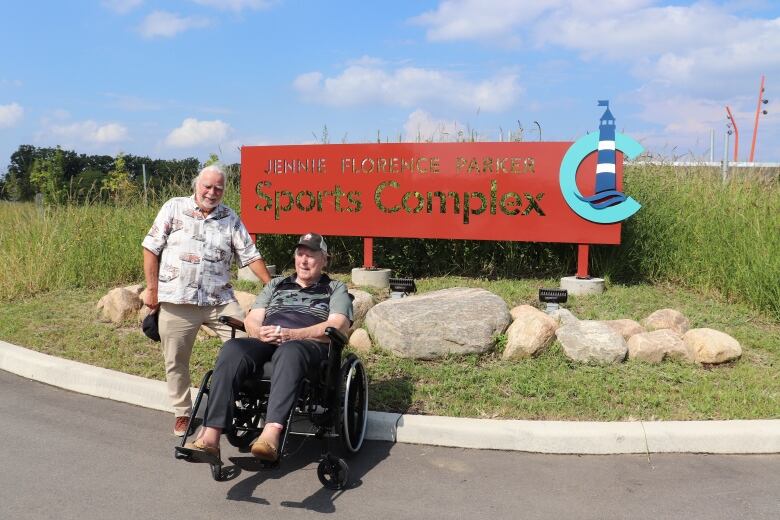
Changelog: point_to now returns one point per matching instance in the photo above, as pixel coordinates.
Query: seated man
(287, 326)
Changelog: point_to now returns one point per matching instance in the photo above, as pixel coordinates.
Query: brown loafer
(199, 452)
(264, 451)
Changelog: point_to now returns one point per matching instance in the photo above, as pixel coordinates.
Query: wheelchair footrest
(253, 463)
(189, 455)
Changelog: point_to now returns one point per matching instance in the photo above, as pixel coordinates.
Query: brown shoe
(200, 452)
(264, 451)
(181, 425)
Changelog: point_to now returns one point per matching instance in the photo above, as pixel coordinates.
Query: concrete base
(578, 287)
(246, 273)
(379, 278)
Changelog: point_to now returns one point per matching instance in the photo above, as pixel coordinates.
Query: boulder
(657, 345)
(626, 328)
(711, 346)
(120, 304)
(592, 341)
(361, 303)
(360, 341)
(667, 319)
(449, 321)
(531, 332)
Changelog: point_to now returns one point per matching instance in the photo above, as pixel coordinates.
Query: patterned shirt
(289, 305)
(197, 251)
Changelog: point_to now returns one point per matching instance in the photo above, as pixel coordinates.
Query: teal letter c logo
(581, 148)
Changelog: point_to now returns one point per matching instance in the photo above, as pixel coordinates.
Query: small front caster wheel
(333, 472)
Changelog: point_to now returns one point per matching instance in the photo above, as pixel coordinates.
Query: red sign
(478, 191)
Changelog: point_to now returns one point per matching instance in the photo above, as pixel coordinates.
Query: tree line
(67, 176)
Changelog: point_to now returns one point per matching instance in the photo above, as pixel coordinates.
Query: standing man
(187, 257)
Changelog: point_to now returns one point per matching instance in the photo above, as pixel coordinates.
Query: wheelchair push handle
(233, 323)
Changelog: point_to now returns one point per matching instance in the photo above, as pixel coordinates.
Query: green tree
(47, 175)
(117, 183)
(213, 159)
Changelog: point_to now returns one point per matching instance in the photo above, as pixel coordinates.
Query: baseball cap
(313, 241)
(150, 326)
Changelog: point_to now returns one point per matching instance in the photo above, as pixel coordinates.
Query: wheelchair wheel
(246, 418)
(333, 472)
(353, 404)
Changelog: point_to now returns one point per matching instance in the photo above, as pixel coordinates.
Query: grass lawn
(63, 323)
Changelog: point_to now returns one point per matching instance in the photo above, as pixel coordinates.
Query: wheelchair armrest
(233, 323)
(336, 336)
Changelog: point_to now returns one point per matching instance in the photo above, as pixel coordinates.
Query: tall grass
(697, 231)
(692, 230)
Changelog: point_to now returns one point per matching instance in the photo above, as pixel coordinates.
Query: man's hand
(150, 298)
(270, 334)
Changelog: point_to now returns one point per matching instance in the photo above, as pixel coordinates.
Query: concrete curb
(561, 437)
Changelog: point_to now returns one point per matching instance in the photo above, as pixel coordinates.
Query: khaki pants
(179, 324)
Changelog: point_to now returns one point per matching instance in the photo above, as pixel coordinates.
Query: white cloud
(121, 6)
(10, 115)
(407, 87)
(689, 46)
(167, 25)
(193, 133)
(235, 5)
(89, 132)
(480, 19)
(10, 83)
(421, 126)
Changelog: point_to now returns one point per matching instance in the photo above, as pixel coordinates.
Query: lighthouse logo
(607, 205)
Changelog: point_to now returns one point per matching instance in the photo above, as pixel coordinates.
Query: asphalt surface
(68, 455)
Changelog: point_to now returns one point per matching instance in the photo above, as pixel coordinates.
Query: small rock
(563, 316)
(360, 341)
(120, 304)
(592, 341)
(361, 303)
(656, 346)
(208, 331)
(626, 328)
(667, 319)
(711, 346)
(531, 332)
(245, 300)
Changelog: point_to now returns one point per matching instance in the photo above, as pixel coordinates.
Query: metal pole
(736, 133)
(143, 169)
(540, 129)
(755, 124)
(725, 169)
(712, 145)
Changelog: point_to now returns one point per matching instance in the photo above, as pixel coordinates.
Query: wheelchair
(333, 409)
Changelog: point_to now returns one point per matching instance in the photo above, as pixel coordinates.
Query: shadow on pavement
(323, 500)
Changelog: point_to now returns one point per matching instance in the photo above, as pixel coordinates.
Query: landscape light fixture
(553, 298)
(540, 129)
(402, 287)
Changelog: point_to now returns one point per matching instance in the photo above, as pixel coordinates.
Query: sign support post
(583, 251)
(368, 252)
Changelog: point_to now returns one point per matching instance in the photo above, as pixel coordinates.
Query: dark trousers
(241, 358)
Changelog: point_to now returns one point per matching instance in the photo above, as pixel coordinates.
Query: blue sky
(174, 79)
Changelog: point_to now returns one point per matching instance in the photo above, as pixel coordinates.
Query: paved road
(67, 455)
